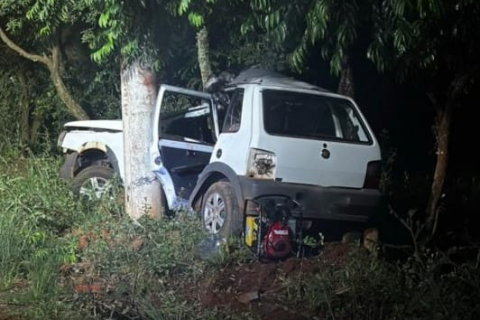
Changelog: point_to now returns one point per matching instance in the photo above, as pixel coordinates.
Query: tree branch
(53, 65)
(12, 45)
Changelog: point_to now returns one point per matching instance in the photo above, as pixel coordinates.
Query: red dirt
(256, 286)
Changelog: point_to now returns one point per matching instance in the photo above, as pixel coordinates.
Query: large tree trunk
(203, 48)
(442, 124)
(142, 188)
(53, 64)
(346, 85)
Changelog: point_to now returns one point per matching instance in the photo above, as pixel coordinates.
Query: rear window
(312, 116)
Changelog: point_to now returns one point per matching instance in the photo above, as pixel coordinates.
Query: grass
(438, 288)
(64, 259)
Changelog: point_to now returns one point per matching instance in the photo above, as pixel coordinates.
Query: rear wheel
(93, 182)
(220, 211)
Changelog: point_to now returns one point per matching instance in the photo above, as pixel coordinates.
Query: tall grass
(36, 209)
(41, 259)
(436, 287)
(61, 258)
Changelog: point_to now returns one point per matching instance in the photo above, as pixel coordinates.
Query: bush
(366, 288)
(61, 259)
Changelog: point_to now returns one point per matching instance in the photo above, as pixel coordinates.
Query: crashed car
(274, 136)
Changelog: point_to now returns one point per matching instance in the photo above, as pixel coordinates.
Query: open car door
(186, 130)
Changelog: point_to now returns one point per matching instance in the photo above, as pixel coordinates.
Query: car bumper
(68, 168)
(333, 203)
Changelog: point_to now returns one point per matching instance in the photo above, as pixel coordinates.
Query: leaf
(104, 19)
(183, 6)
(45, 31)
(195, 19)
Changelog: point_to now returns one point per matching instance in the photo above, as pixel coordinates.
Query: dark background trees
(411, 65)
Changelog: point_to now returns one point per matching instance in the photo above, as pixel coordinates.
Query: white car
(276, 136)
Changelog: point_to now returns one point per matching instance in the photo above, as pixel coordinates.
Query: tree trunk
(442, 124)
(35, 127)
(24, 107)
(142, 188)
(53, 63)
(346, 85)
(203, 48)
(54, 66)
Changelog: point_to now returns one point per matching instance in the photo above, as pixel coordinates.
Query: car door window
(186, 117)
(233, 118)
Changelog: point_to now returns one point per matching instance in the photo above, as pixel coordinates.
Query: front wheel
(93, 182)
(220, 211)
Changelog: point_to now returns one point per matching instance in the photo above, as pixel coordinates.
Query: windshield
(304, 115)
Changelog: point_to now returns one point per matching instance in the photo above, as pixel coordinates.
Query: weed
(66, 259)
(371, 289)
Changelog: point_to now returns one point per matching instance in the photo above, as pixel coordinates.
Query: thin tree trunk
(35, 127)
(24, 107)
(142, 188)
(441, 129)
(53, 64)
(442, 126)
(203, 49)
(346, 85)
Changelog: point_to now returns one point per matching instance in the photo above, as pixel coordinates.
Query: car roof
(270, 78)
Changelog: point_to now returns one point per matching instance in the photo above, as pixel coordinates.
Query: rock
(248, 297)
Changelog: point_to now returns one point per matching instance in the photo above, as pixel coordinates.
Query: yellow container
(251, 230)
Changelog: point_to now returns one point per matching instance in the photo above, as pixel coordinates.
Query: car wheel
(93, 182)
(220, 211)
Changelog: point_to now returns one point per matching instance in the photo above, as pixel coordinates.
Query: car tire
(92, 182)
(220, 211)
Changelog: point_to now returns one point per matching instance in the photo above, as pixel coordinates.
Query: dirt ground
(255, 286)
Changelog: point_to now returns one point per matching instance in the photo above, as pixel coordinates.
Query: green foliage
(414, 34)
(36, 208)
(150, 269)
(332, 24)
(134, 30)
(13, 248)
(366, 288)
(231, 252)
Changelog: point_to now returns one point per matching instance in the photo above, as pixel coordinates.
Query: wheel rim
(214, 213)
(95, 188)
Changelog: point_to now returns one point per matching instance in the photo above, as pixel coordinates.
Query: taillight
(372, 177)
(261, 164)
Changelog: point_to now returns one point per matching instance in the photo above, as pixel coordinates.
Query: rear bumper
(333, 203)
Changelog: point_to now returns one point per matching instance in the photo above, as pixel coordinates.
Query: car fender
(211, 173)
(109, 143)
(71, 166)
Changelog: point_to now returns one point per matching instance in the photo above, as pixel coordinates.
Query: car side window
(233, 117)
(186, 117)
